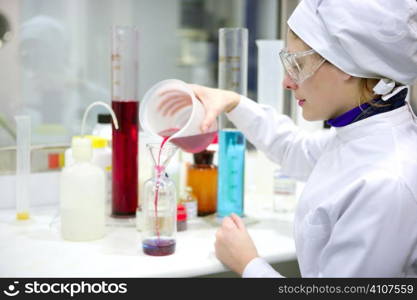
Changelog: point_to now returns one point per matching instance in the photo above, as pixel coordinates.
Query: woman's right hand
(215, 101)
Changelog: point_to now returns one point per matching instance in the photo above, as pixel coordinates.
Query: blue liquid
(230, 192)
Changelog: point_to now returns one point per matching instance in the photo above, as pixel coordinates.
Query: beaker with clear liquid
(159, 207)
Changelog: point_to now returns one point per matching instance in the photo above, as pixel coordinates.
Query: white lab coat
(357, 215)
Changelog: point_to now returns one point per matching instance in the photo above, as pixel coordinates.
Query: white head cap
(369, 38)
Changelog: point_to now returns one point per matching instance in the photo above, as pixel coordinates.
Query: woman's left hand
(234, 247)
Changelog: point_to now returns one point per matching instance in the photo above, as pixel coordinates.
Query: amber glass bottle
(202, 178)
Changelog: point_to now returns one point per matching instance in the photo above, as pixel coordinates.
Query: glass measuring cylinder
(23, 144)
(124, 76)
(233, 65)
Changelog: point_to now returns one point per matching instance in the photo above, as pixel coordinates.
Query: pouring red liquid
(160, 246)
(193, 144)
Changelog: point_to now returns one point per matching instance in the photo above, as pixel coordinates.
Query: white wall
(56, 104)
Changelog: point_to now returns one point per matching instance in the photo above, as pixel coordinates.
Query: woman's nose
(288, 83)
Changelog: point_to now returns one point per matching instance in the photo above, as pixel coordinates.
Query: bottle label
(191, 207)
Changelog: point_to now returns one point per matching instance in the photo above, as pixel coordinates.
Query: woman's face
(326, 94)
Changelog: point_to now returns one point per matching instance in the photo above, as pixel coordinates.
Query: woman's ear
(339, 74)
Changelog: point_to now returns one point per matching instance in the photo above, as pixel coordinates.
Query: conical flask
(160, 205)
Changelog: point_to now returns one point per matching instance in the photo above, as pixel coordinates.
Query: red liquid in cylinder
(125, 159)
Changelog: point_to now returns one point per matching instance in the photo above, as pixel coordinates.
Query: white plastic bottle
(82, 195)
(101, 157)
(103, 127)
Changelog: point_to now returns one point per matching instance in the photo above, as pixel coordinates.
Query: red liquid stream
(159, 171)
(125, 159)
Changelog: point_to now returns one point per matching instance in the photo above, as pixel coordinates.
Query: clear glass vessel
(159, 207)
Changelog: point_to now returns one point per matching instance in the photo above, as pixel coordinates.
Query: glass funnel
(159, 206)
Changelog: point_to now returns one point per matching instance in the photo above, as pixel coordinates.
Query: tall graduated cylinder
(233, 64)
(23, 142)
(124, 76)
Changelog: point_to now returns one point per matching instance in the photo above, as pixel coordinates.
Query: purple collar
(347, 117)
(365, 110)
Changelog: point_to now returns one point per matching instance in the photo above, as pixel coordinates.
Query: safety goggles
(300, 65)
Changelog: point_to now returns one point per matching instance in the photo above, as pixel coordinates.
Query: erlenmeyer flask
(159, 206)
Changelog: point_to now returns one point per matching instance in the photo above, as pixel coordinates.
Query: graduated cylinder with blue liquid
(231, 173)
(233, 65)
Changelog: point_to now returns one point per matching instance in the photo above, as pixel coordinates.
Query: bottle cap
(104, 118)
(181, 213)
(204, 157)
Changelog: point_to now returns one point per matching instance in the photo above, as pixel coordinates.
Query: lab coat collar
(380, 122)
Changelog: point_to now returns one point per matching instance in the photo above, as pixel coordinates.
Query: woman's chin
(312, 117)
(308, 117)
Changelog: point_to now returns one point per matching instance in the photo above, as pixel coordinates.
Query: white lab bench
(35, 248)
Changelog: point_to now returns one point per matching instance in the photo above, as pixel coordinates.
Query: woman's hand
(234, 247)
(215, 102)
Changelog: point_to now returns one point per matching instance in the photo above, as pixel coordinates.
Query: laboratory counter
(34, 248)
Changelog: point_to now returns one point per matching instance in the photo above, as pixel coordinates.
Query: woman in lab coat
(347, 63)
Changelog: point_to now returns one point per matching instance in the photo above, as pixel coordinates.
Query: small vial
(284, 193)
(139, 219)
(190, 203)
(181, 218)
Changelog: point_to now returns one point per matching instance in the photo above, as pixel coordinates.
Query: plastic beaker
(170, 109)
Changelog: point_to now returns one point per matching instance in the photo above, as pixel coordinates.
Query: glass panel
(55, 60)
